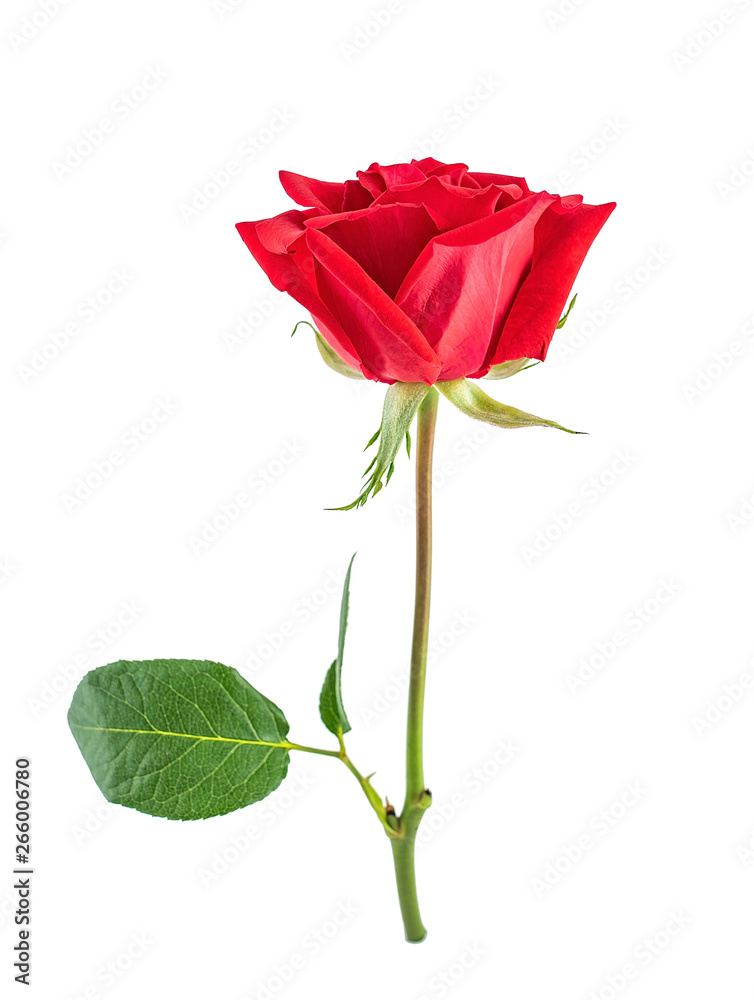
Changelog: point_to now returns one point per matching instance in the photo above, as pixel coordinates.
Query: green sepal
(508, 368)
(372, 439)
(402, 400)
(331, 700)
(331, 359)
(474, 402)
(303, 322)
(183, 739)
(566, 314)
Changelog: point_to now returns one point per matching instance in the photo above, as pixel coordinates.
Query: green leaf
(566, 314)
(183, 739)
(402, 400)
(474, 402)
(330, 700)
(507, 368)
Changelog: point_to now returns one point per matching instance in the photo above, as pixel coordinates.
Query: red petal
(356, 197)
(277, 234)
(378, 178)
(501, 179)
(371, 181)
(561, 240)
(294, 273)
(449, 206)
(398, 173)
(429, 165)
(384, 240)
(387, 341)
(453, 173)
(462, 286)
(327, 196)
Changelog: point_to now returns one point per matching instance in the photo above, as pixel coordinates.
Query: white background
(599, 100)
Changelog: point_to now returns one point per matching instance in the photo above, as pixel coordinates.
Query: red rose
(425, 272)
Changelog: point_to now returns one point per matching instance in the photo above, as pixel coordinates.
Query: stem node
(424, 800)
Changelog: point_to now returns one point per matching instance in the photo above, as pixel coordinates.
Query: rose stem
(418, 798)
